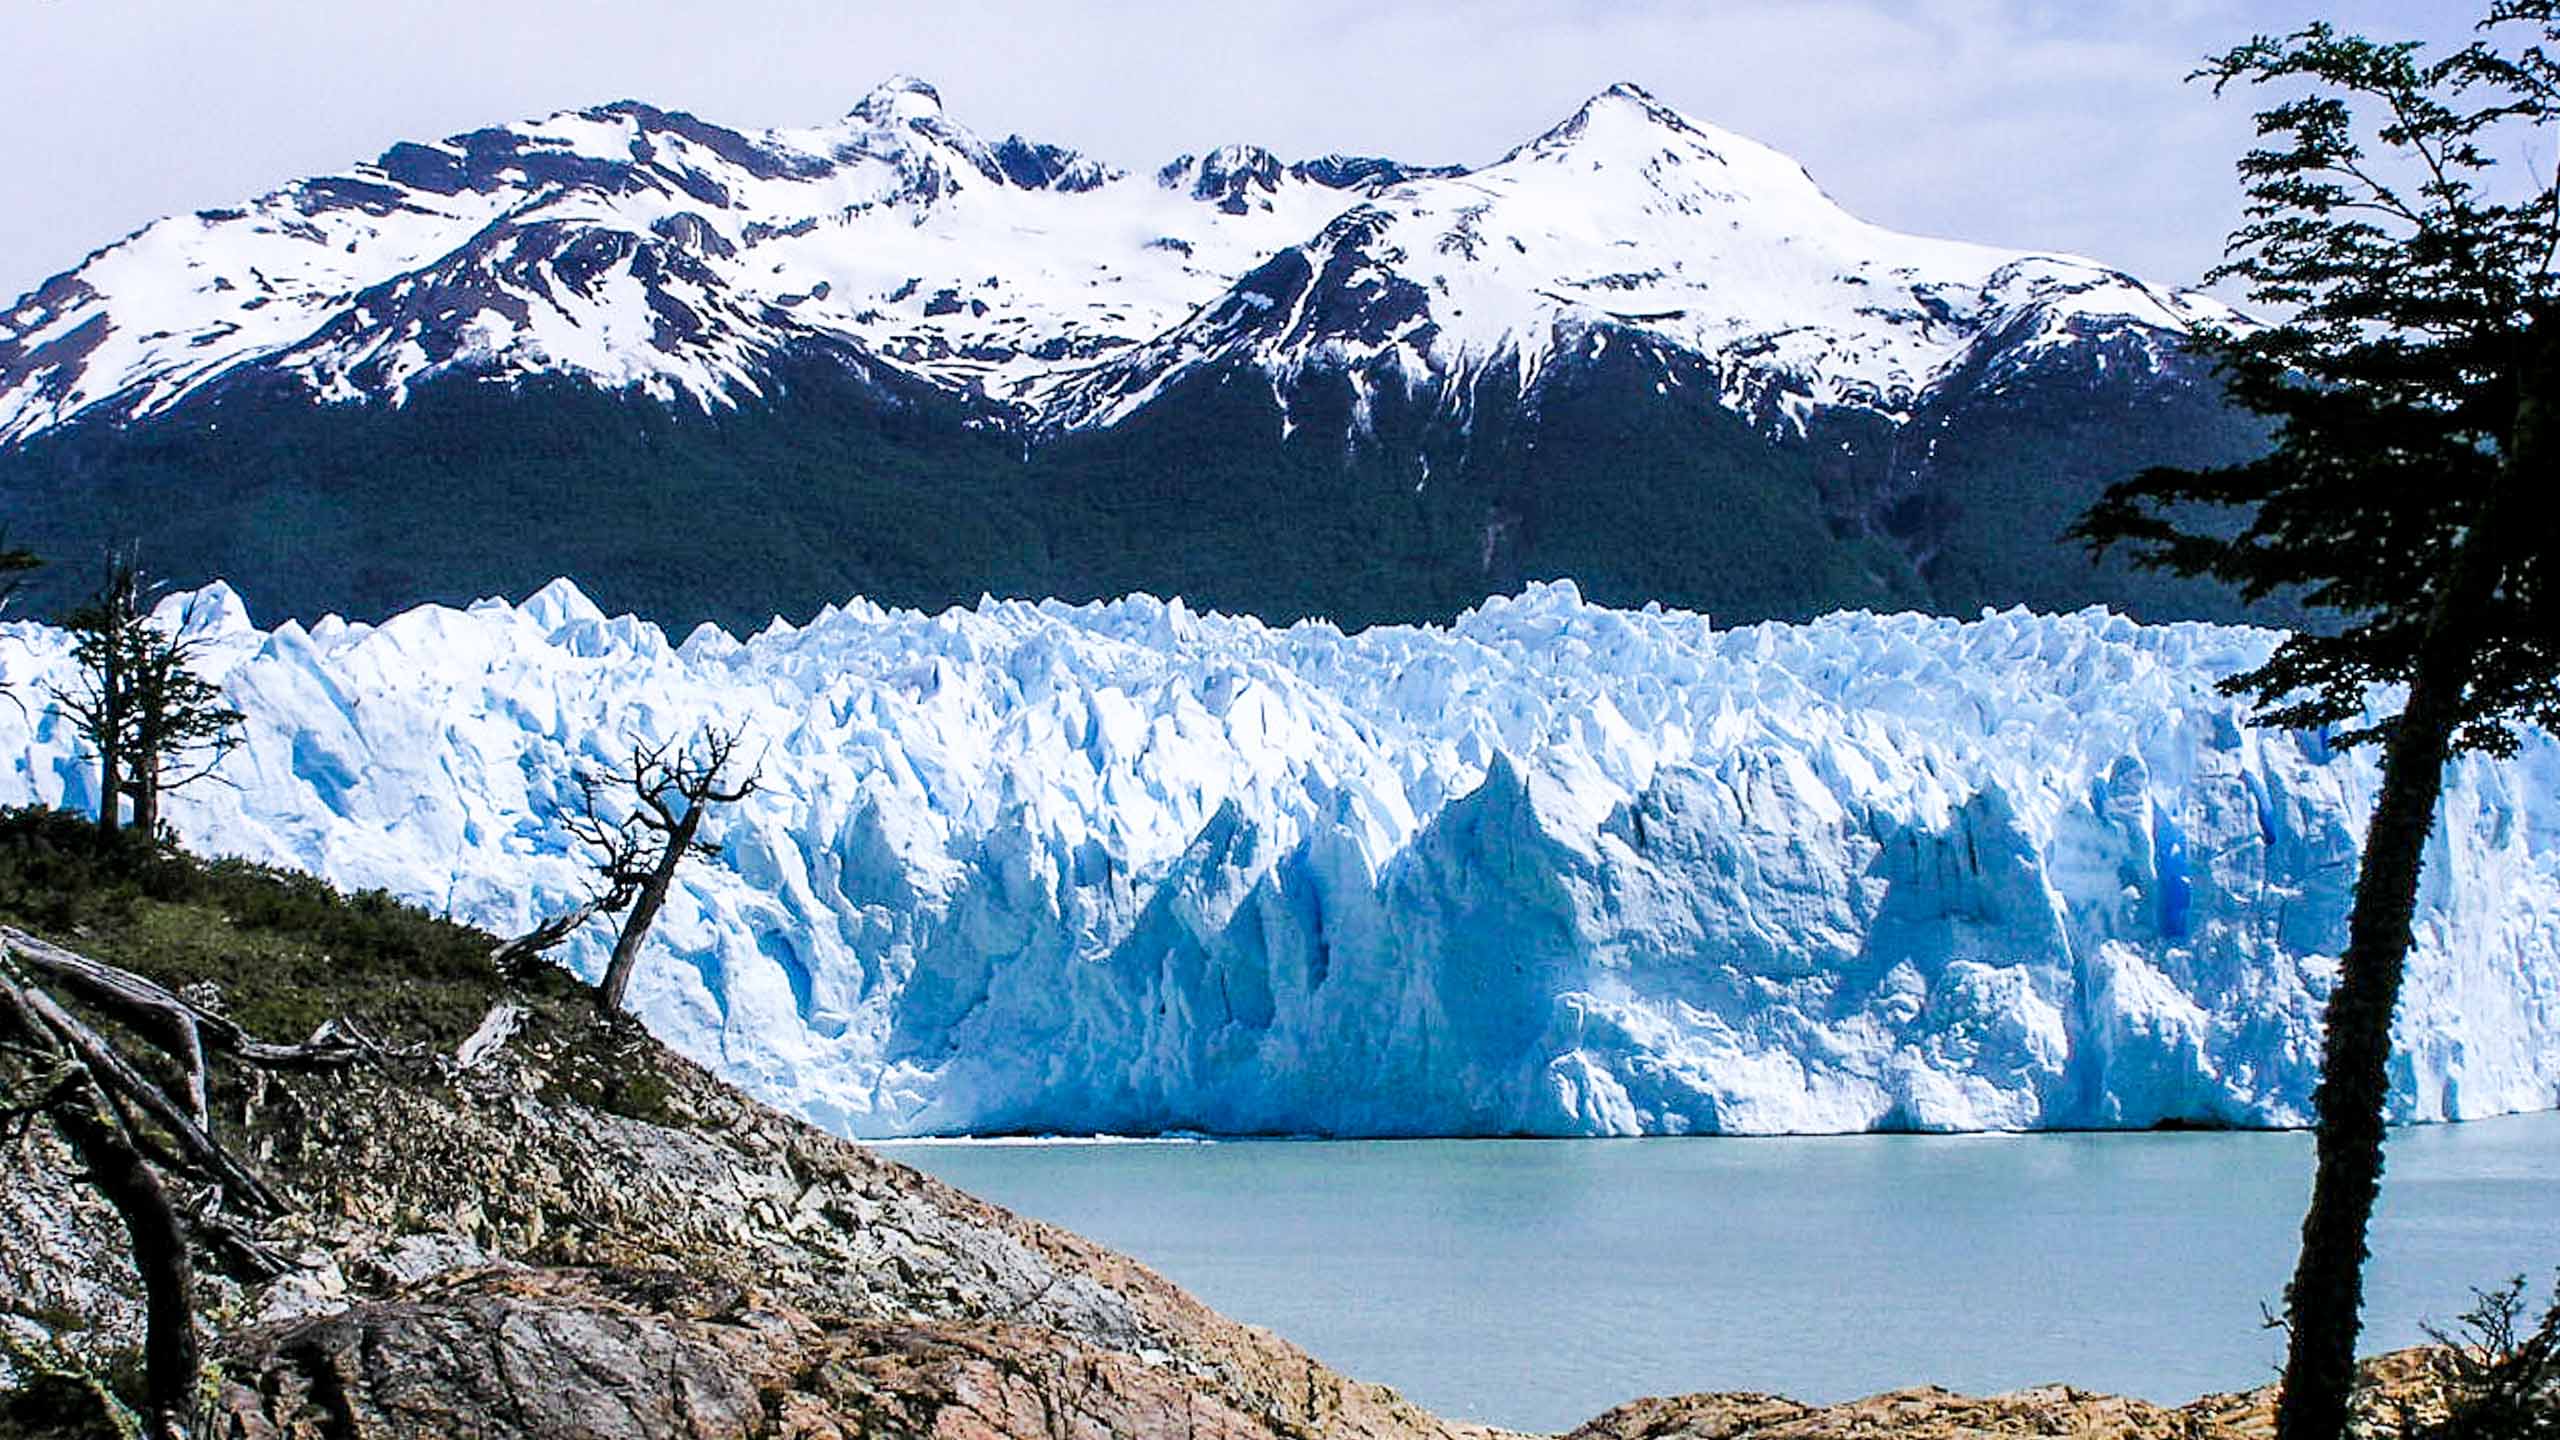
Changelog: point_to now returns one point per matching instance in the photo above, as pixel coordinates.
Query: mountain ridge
(648, 177)
(1135, 379)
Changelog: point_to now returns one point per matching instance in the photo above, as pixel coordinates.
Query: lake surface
(1534, 1283)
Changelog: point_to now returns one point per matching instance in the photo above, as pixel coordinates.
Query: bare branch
(550, 933)
(672, 788)
(200, 1150)
(120, 1173)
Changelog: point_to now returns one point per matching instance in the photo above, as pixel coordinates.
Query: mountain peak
(1622, 103)
(1237, 177)
(1628, 128)
(899, 98)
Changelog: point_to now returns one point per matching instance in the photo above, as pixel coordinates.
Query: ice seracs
(1554, 869)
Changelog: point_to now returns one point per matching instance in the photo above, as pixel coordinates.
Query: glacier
(1552, 869)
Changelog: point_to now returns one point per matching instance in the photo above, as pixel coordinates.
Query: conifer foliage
(2403, 223)
(153, 723)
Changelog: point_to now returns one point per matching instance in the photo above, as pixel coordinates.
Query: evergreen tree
(100, 705)
(2408, 491)
(155, 724)
(182, 724)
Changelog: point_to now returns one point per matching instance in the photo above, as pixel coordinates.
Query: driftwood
(135, 1143)
(177, 1023)
(128, 1087)
(488, 1037)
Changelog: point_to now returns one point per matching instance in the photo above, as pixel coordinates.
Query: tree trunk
(112, 699)
(146, 795)
(2327, 1291)
(148, 703)
(2322, 1303)
(644, 913)
(522, 949)
(110, 776)
(171, 1362)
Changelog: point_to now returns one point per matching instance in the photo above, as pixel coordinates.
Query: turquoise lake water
(1534, 1283)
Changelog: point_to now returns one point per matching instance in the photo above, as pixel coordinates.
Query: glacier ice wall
(1554, 869)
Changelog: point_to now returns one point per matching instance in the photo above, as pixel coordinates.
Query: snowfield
(1554, 869)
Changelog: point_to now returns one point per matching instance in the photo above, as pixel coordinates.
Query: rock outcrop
(633, 1355)
(2403, 1378)
(584, 1235)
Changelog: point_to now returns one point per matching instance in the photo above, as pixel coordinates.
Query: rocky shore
(584, 1234)
(1930, 1413)
(480, 1252)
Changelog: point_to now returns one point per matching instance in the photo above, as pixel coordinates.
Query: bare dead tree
(620, 858)
(618, 869)
(641, 821)
(152, 1158)
(674, 790)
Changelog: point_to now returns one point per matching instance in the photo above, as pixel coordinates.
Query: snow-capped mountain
(1556, 868)
(632, 247)
(637, 248)
(893, 292)
(1631, 220)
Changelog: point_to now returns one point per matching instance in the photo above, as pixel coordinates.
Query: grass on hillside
(285, 952)
(286, 949)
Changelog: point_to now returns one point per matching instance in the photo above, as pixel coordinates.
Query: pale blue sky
(2061, 125)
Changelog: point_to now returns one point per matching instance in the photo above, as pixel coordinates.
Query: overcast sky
(2056, 124)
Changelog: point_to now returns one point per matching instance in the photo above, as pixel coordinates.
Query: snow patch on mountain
(637, 247)
(1554, 869)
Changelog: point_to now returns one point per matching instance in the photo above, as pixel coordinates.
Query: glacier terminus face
(1555, 869)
